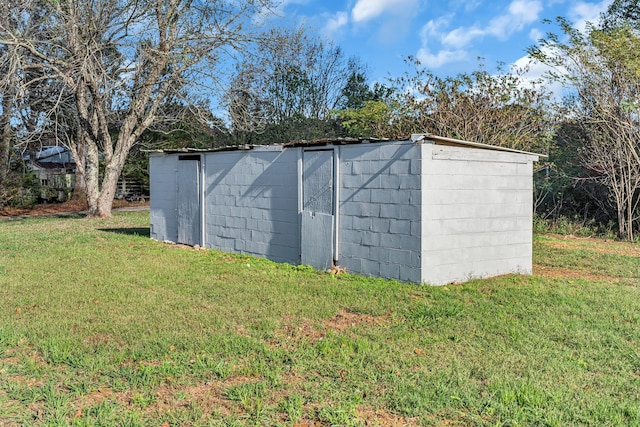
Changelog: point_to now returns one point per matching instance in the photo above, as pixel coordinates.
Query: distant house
(55, 167)
(425, 209)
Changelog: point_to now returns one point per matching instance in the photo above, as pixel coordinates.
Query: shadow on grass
(76, 215)
(134, 231)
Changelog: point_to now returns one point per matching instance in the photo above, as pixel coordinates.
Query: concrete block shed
(425, 209)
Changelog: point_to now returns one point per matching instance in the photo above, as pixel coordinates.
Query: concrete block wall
(251, 203)
(476, 215)
(419, 213)
(163, 197)
(380, 210)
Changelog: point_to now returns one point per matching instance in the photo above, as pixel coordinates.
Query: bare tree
(500, 109)
(119, 59)
(7, 85)
(292, 81)
(601, 69)
(26, 92)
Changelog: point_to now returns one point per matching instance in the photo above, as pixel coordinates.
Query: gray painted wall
(476, 213)
(251, 203)
(420, 213)
(163, 197)
(380, 204)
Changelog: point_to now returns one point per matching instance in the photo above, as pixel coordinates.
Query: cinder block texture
(380, 202)
(251, 203)
(476, 214)
(416, 212)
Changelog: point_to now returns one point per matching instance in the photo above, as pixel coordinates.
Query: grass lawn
(99, 325)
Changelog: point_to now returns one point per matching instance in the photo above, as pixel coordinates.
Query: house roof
(55, 154)
(53, 165)
(416, 138)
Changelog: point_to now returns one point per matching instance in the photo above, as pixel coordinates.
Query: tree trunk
(103, 204)
(5, 137)
(5, 143)
(92, 177)
(8, 98)
(109, 186)
(79, 187)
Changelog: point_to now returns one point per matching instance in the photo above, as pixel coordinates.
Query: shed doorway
(189, 204)
(318, 208)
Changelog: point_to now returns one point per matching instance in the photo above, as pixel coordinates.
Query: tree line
(108, 78)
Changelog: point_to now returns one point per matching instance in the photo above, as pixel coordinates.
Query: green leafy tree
(28, 95)
(621, 13)
(375, 119)
(357, 91)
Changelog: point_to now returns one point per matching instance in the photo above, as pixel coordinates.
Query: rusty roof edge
(476, 144)
(418, 138)
(301, 143)
(327, 141)
(200, 150)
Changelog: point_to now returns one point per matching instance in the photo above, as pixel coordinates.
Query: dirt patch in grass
(344, 320)
(380, 417)
(17, 355)
(295, 329)
(592, 244)
(98, 396)
(209, 396)
(568, 273)
(98, 339)
(24, 381)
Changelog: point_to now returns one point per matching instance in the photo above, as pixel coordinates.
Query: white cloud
(461, 37)
(441, 58)
(365, 10)
(525, 10)
(519, 14)
(535, 34)
(433, 28)
(516, 17)
(582, 12)
(536, 71)
(335, 23)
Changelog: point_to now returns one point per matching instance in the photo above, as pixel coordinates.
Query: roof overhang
(441, 140)
(418, 138)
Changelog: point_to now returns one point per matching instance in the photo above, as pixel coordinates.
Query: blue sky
(446, 35)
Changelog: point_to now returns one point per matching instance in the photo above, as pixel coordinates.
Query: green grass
(101, 326)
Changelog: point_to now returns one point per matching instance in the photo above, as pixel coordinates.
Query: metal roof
(415, 138)
(441, 140)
